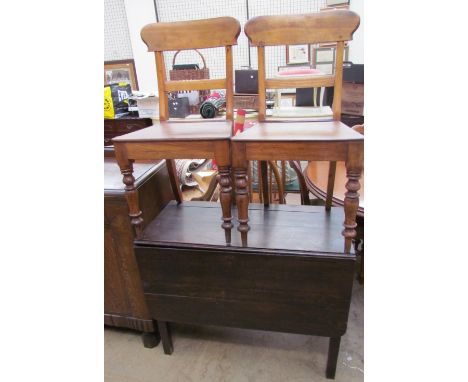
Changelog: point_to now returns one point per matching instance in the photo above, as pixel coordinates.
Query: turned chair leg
(333, 350)
(166, 338)
(240, 165)
(242, 202)
(226, 200)
(354, 164)
(131, 194)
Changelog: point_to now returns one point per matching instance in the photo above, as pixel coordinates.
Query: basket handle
(196, 50)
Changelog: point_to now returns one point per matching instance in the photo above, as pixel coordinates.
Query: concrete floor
(238, 355)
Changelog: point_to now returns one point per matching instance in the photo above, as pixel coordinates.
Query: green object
(211, 107)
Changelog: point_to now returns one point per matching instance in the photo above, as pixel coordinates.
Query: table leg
(166, 338)
(225, 197)
(333, 350)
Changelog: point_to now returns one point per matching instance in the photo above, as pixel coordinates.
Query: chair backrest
(335, 26)
(187, 35)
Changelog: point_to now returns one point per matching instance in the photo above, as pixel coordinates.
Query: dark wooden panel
(124, 303)
(140, 324)
(352, 120)
(352, 101)
(304, 293)
(128, 125)
(243, 275)
(248, 315)
(119, 126)
(115, 297)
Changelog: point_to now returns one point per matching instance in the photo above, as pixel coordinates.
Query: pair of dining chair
(267, 141)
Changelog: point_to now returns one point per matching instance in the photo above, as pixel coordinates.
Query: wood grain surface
(329, 26)
(180, 35)
(194, 277)
(330, 131)
(180, 131)
(278, 227)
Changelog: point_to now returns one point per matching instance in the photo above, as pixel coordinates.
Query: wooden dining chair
(183, 139)
(302, 139)
(335, 26)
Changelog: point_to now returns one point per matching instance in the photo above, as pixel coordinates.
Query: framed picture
(120, 71)
(324, 57)
(297, 54)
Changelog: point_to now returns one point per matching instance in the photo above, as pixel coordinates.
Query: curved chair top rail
(182, 35)
(321, 27)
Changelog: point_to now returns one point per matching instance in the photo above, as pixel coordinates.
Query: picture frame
(297, 54)
(294, 66)
(331, 3)
(120, 71)
(324, 56)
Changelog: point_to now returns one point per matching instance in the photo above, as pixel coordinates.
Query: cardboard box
(148, 106)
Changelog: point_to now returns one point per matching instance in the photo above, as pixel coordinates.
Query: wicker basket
(189, 74)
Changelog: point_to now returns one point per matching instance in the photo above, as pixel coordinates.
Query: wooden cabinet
(120, 126)
(124, 304)
(352, 101)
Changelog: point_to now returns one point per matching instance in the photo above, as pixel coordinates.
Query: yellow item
(109, 112)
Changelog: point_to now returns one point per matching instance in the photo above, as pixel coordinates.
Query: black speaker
(353, 72)
(246, 81)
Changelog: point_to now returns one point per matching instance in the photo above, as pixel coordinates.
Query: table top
(278, 227)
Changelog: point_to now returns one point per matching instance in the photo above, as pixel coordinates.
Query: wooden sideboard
(124, 125)
(124, 304)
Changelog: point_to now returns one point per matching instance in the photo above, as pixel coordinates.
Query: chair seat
(299, 131)
(180, 131)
